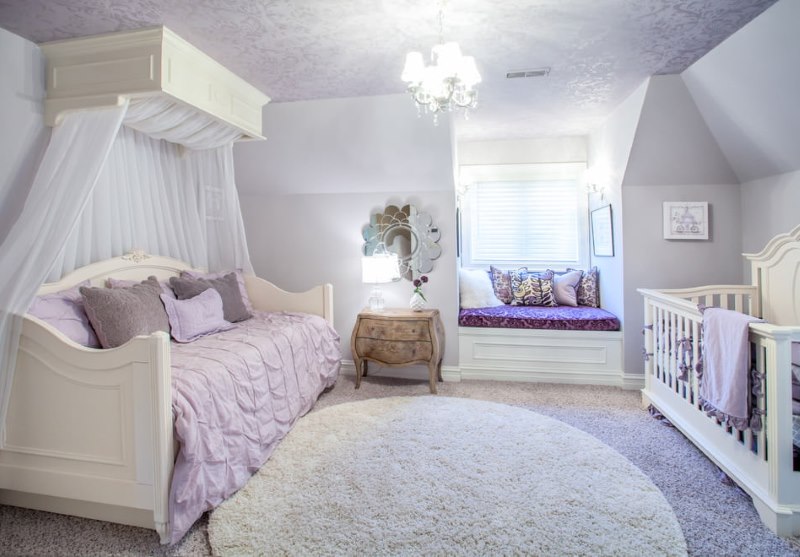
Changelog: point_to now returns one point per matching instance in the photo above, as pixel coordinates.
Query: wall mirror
(407, 232)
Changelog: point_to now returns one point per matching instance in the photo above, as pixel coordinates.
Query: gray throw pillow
(119, 314)
(228, 287)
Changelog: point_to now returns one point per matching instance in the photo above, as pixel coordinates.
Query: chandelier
(447, 84)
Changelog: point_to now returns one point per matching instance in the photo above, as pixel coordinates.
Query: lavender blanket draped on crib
(235, 395)
(725, 381)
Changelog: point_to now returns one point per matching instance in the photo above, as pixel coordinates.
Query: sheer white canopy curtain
(103, 189)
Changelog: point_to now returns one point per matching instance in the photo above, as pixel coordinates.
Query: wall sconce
(596, 188)
(379, 268)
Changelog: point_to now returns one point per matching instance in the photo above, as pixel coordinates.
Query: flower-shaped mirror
(408, 233)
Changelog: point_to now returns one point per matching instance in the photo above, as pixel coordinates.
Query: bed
(115, 434)
(762, 461)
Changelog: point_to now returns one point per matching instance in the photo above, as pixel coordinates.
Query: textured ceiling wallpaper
(599, 50)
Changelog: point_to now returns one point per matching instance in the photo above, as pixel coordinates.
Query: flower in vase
(418, 282)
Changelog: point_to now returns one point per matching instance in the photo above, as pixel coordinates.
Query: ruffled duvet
(235, 395)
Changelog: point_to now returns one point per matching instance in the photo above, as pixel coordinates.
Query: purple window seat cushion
(565, 318)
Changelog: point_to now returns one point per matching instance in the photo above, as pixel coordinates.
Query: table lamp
(379, 268)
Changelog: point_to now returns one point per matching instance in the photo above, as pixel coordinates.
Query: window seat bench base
(543, 355)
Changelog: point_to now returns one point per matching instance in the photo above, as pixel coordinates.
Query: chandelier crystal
(448, 84)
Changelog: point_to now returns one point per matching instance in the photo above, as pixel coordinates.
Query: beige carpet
(439, 475)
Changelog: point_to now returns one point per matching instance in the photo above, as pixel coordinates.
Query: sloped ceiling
(748, 91)
(673, 146)
(599, 50)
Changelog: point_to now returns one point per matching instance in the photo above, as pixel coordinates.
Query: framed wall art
(602, 232)
(686, 220)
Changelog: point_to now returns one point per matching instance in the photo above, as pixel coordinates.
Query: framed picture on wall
(602, 232)
(686, 220)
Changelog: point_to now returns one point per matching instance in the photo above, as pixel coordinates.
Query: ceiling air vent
(538, 72)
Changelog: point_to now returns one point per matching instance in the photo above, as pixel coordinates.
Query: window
(531, 215)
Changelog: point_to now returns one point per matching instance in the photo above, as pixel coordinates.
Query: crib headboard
(776, 273)
(134, 266)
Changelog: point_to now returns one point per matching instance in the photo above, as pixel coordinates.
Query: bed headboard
(776, 273)
(133, 266)
(138, 265)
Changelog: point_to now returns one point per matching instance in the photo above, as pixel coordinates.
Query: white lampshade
(414, 67)
(468, 72)
(377, 269)
(447, 57)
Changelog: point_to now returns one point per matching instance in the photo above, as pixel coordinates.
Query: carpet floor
(716, 518)
(448, 476)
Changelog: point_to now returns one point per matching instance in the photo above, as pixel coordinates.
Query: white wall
(747, 89)
(23, 135)
(522, 151)
(309, 190)
(674, 157)
(609, 150)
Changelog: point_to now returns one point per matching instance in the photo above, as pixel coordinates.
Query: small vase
(417, 302)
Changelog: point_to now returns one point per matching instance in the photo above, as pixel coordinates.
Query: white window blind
(538, 222)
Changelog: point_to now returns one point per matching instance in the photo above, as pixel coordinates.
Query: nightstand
(397, 338)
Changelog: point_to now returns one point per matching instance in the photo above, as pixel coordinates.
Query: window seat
(560, 344)
(566, 318)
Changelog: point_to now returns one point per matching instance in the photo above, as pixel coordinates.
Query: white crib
(760, 463)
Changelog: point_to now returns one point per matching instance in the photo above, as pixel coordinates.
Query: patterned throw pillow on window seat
(588, 288)
(532, 289)
(501, 283)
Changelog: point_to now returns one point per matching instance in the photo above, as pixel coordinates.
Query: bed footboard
(89, 432)
(761, 463)
(265, 296)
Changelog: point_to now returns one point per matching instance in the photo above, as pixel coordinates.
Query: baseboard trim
(455, 374)
(632, 381)
(577, 377)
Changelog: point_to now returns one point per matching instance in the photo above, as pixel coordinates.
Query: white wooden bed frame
(89, 432)
(765, 473)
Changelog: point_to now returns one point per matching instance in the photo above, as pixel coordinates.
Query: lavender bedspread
(566, 318)
(235, 395)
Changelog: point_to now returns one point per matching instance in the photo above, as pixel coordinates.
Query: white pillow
(566, 288)
(476, 290)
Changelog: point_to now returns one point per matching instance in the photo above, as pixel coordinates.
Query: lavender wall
(770, 206)
(609, 150)
(326, 166)
(674, 157)
(23, 135)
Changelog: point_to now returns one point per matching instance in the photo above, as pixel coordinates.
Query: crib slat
(659, 334)
(761, 366)
(695, 359)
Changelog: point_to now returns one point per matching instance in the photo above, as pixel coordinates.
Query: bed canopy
(140, 157)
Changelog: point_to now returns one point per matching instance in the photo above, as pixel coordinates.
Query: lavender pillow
(64, 311)
(239, 281)
(119, 314)
(196, 317)
(227, 286)
(566, 288)
(121, 283)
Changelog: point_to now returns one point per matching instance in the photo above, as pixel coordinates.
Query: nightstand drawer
(394, 352)
(394, 330)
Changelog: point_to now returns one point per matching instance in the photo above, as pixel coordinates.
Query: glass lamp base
(376, 302)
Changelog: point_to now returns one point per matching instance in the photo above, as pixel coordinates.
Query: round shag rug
(434, 476)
